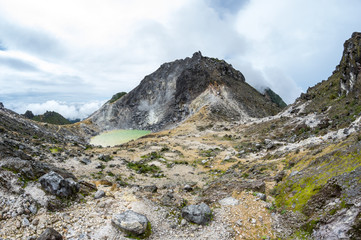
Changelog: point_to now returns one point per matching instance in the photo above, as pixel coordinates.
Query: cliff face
(350, 66)
(179, 89)
(338, 97)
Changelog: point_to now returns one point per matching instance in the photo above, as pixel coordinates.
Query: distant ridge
(49, 117)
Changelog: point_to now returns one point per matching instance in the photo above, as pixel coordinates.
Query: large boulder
(132, 223)
(199, 214)
(50, 234)
(55, 184)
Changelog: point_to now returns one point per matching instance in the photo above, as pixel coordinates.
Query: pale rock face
(179, 89)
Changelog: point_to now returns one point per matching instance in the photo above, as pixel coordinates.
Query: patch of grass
(309, 226)
(210, 152)
(55, 150)
(164, 149)
(294, 192)
(152, 156)
(105, 158)
(227, 137)
(120, 181)
(204, 127)
(141, 167)
(117, 96)
(181, 162)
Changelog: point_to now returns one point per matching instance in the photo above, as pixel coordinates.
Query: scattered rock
(99, 166)
(252, 220)
(132, 223)
(168, 199)
(104, 158)
(57, 185)
(188, 188)
(50, 234)
(151, 188)
(99, 194)
(35, 222)
(279, 176)
(261, 196)
(85, 161)
(183, 222)
(25, 222)
(200, 214)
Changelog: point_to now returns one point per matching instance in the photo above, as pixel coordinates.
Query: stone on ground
(200, 214)
(132, 223)
(57, 185)
(50, 234)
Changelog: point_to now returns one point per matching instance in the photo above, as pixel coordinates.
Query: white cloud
(69, 111)
(84, 50)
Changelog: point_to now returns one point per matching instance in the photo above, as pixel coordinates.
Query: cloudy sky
(72, 55)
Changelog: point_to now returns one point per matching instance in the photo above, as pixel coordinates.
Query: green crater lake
(116, 137)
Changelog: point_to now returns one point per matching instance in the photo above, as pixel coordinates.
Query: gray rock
(187, 188)
(99, 166)
(99, 194)
(50, 234)
(132, 223)
(85, 161)
(269, 144)
(229, 201)
(183, 222)
(294, 173)
(199, 214)
(35, 222)
(168, 199)
(280, 175)
(25, 222)
(57, 185)
(261, 196)
(151, 188)
(33, 209)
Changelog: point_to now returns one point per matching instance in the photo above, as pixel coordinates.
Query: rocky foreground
(198, 181)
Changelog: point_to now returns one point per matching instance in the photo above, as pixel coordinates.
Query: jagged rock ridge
(179, 89)
(338, 97)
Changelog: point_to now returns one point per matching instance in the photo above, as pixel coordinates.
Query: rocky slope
(181, 88)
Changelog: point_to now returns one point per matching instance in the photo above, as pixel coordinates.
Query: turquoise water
(116, 137)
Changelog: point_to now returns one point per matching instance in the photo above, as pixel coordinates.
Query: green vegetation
(210, 152)
(48, 117)
(117, 96)
(55, 150)
(152, 156)
(295, 191)
(275, 98)
(141, 167)
(105, 158)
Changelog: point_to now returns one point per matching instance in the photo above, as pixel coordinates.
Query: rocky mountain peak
(197, 55)
(350, 65)
(179, 89)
